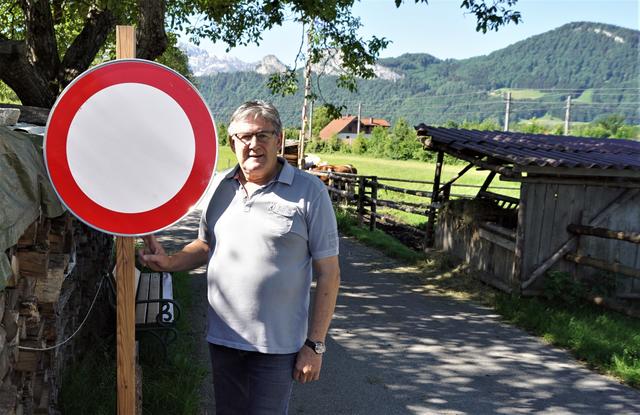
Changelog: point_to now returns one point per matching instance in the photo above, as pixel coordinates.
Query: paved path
(396, 349)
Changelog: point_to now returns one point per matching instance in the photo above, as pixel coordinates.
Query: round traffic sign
(130, 147)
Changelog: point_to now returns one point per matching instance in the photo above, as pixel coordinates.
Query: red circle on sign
(57, 134)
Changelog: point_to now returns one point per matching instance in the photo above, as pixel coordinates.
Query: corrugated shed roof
(540, 150)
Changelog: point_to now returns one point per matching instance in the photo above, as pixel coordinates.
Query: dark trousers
(251, 383)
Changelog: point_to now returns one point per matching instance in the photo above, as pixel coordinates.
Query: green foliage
(604, 339)
(171, 386)
(7, 96)
(561, 288)
(333, 144)
(89, 385)
(315, 145)
(292, 133)
(223, 134)
(320, 120)
(359, 145)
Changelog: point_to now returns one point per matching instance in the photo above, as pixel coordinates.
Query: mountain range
(202, 63)
(596, 64)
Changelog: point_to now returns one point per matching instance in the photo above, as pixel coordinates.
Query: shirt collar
(285, 176)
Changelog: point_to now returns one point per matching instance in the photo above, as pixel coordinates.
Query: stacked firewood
(57, 266)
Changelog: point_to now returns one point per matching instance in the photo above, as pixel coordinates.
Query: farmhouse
(346, 128)
(578, 211)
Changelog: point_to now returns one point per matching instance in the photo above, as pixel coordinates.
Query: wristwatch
(317, 347)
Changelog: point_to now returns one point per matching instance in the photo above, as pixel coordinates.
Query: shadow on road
(396, 349)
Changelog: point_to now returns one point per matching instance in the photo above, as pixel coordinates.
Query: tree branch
(86, 45)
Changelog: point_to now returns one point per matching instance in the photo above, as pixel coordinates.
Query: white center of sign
(130, 148)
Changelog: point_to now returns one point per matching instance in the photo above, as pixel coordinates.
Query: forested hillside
(596, 64)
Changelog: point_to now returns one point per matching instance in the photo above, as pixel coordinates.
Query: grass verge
(604, 340)
(169, 386)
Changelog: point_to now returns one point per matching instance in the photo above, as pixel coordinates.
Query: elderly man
(268, 228)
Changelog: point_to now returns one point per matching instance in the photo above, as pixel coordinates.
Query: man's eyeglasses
(261, 137)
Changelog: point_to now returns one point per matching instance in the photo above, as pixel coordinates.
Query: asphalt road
(394, 348)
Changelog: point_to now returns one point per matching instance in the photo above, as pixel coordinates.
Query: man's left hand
(307, 368)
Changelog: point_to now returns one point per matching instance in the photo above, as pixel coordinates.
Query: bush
(560, 288)
(359, 145)
(333, 144)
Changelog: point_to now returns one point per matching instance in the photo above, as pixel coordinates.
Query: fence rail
(361, 192)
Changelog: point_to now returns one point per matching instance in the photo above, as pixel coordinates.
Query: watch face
(320, 347)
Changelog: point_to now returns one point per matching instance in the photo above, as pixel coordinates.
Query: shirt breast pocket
(280, 218)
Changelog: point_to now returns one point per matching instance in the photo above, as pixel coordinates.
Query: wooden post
(361, 196)
(567, 116)
(374, 202)
(507, 112)
(125, 279)
(359, 115)
(518, 255)
(429, 235)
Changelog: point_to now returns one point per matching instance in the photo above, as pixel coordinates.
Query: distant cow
(329, 168)
(336, 182)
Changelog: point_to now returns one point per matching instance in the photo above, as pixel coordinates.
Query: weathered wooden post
(125, 277)
(429, 236)
(361, 196)
(374, 202)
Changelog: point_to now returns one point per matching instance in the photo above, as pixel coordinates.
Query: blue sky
(443, 30)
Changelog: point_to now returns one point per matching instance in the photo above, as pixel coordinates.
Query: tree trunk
(22, 77)
(152, 39)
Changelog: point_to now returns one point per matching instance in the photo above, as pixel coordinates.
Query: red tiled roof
(538, 149)
(335, 126)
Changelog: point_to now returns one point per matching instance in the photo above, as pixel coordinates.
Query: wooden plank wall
(493, 262)
(551, 207)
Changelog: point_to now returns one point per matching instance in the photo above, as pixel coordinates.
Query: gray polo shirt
(261, 249)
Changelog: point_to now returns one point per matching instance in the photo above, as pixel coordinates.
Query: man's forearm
(193, 255)
(324, 304)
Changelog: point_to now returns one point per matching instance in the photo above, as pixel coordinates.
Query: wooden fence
(362, 192)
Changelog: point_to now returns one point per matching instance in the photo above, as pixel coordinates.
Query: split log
(29, 360)
(12, 278)
(33, 263)
(48, 289)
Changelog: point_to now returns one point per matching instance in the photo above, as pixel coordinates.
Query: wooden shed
(578, 211)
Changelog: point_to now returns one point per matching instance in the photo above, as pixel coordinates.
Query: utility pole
(567, 116)
(359, 115)
(507, 112)
(307, 94)
(310, 119)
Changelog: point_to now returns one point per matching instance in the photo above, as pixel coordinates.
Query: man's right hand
(153, 255)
